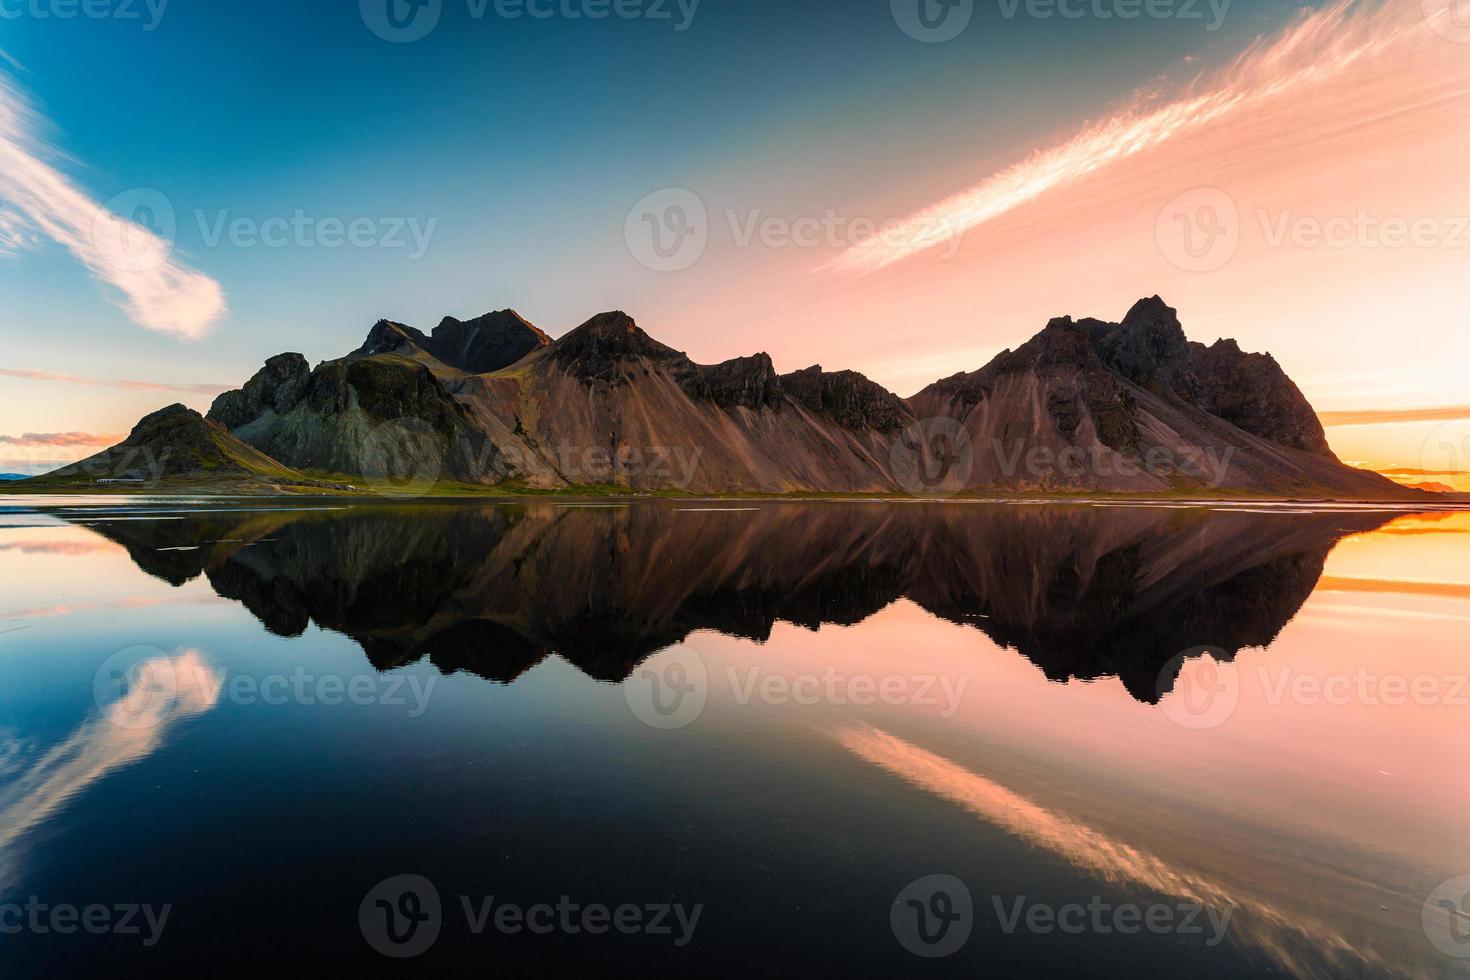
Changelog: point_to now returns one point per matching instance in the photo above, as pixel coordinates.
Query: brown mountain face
(1135, 407)
(608, 404)
(1084, 406)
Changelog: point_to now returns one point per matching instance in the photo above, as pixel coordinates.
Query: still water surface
(1187, 740)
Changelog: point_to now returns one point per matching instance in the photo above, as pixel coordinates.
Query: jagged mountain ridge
(1079, 407)
(479, 346)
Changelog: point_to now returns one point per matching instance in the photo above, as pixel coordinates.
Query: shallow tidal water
(714, 738)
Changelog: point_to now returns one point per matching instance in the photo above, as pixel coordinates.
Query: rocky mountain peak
(390, 337)
(277, 387)
(594, 349)
(748, 381)
(1062, 343)
(847, 397)
(487, 343)
(1149, 347)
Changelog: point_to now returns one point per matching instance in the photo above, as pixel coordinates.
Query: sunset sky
(1293, 176)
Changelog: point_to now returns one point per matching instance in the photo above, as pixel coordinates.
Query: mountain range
(1085, 406)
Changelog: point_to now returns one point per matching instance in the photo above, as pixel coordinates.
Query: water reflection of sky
(1325, 821)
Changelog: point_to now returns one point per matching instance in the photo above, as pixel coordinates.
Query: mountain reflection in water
(1082, 592)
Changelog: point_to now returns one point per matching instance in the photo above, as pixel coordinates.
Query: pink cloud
(66, 439)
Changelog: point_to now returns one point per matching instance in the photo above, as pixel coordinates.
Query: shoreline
(1423, 501)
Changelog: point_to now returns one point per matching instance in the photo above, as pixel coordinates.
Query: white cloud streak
(1315, 47)
(154, 289)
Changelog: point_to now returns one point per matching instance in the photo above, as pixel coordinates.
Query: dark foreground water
(712, 739)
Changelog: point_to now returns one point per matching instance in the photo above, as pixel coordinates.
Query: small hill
(175, 445)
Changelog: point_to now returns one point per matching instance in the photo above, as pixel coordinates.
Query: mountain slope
(1135, 407)
(607, 404)
(379, 416)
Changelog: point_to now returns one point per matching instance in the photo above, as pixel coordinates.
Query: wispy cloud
(155, 290)
(67, 439)
(1374, 416)
(72, 379)
(1314, 48)
(15, 234)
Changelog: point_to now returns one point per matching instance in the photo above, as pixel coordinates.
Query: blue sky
(522, 144)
